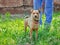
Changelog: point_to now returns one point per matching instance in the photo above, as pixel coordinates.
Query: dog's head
(35, 14)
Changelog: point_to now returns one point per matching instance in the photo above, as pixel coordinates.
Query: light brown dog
(33, 22)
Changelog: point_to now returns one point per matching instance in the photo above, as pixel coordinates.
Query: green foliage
(7, 14)
(12, 32)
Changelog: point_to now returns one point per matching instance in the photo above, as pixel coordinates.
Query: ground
(12, 31)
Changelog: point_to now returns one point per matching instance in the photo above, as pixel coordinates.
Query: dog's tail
(27, 16)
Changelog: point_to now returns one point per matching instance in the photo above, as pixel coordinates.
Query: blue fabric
(48, 9)
(37, 4)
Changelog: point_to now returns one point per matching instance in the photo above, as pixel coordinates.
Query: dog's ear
(31, 10)
(40, 10)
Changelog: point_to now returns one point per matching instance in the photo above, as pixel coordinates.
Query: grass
(12, 32)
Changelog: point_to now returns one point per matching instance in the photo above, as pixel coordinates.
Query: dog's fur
(33, 22)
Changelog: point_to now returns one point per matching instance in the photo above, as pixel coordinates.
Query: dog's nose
(35, 16)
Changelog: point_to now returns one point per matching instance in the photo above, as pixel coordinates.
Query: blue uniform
(48, 9)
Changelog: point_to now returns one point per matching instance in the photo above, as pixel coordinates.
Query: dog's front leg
(31, 34)
(36, 34)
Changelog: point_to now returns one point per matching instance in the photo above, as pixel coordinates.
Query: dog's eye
(37, 13)
(33, 13)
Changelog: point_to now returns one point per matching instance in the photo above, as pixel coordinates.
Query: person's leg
(37, 5)
(48, 12)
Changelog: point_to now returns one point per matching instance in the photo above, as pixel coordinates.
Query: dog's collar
(36, 22)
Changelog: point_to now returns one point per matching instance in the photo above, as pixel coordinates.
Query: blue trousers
(48, 9)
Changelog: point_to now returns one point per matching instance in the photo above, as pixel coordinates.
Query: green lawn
(12, 32)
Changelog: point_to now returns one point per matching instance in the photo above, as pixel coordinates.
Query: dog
(32, 22)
